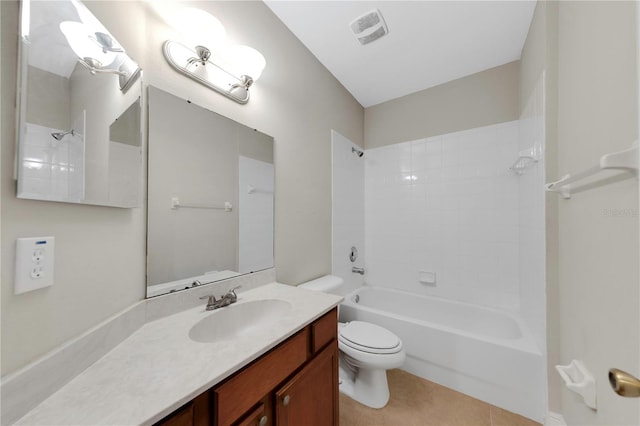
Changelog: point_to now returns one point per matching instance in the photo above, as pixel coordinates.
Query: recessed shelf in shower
(526, 158)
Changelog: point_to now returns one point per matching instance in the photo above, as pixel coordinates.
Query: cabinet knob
(285, 400)
(263, 421)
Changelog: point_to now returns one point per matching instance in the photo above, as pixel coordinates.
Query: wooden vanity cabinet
(294, 384)
(300, 401)
(194, 413)
(260, 416)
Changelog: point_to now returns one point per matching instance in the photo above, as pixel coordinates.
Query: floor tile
(418, 402)
(500, 417)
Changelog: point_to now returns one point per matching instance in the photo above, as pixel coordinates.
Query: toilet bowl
(367, 351)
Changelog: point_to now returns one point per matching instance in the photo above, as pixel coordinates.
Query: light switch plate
(34, 263)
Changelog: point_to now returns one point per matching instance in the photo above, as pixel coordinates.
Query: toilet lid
(369, 337)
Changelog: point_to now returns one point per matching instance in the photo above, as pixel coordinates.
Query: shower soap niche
(579, 380)
(426, 277)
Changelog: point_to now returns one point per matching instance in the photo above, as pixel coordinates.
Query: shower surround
(446, 205)
(445, 219)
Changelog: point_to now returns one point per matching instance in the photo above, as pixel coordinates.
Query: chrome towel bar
(626, 160)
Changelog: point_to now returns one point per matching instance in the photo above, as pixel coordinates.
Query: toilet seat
(370, 338)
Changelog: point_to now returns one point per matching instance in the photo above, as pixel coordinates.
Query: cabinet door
(310, 398)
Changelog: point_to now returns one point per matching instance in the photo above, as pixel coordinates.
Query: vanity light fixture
(97, 50)
(229, 70)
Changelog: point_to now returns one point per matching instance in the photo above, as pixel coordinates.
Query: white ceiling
(429, 42)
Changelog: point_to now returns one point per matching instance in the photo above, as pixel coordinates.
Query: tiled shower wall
(347, 210)
(52, 168)
(532, 219)
(447, 205)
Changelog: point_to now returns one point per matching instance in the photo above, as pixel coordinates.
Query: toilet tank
(325, 284)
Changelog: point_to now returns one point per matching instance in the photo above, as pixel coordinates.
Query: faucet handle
(233, 294)
(211, 302)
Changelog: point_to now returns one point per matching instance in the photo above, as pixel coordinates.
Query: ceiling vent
(369, 27)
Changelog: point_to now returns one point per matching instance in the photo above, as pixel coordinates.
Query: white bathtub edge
(501, 372)
(555, 419)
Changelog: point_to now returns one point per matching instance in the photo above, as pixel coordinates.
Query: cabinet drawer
(244, 390)
(324, 330)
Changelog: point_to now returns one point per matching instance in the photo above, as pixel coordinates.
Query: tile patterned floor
(418, 402)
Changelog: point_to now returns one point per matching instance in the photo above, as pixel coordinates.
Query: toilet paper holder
(579, 380)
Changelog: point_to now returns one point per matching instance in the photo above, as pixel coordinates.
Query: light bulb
(245, 60)
(198, 27)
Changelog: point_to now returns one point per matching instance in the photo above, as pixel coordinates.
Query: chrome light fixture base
(198, 66)
(127, 72)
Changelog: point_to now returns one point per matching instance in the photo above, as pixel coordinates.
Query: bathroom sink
(238, 320)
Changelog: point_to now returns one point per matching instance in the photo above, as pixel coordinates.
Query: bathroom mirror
(210, 196)
(79, 138)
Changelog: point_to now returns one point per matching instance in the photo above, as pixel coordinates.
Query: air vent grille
(369, 27)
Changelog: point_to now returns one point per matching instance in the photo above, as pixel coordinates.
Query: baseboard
(555, 419)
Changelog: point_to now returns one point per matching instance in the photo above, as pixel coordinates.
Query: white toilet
(367, 351)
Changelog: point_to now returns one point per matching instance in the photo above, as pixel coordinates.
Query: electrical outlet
(34, 263)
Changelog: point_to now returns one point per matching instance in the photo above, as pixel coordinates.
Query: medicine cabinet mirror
(210, 196)
(79, 137)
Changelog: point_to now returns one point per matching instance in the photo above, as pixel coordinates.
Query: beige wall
(598, 272)
(99, 266)
(49, 100)
(592, 269)
(481, 99)
(100, 252)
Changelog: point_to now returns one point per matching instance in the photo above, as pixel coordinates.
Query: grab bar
(252, 190)
(626, 160)
(176, 204)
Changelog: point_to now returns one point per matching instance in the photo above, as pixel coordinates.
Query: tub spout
(357, 270)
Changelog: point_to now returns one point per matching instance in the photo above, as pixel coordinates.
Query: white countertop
(159, 368)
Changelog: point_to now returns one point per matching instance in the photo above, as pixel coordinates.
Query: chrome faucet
(357, 270)
(229, 298)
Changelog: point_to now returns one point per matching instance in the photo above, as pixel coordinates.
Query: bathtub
(486, 353)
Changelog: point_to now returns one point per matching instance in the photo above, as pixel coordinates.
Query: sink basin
(238, 320)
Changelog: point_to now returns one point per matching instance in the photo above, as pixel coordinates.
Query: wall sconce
(229, 70)
(97, 50)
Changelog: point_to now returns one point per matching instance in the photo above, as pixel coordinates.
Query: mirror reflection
(210, 196)
(79, 95)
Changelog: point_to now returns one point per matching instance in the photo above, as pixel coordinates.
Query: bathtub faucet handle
(357, 270)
